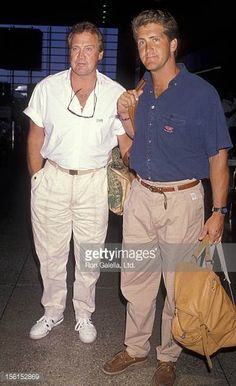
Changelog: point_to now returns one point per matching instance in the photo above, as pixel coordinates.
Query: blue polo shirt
(177, 132)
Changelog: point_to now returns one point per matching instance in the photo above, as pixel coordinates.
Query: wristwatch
(223, 210)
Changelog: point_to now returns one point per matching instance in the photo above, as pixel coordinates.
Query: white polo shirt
(71, 141)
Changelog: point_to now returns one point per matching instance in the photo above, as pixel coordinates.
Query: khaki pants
(172, 233)
(62, 205)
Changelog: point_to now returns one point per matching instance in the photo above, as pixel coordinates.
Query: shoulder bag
(205, 316)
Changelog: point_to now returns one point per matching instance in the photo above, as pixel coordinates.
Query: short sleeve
(216, 133)
(34, 108)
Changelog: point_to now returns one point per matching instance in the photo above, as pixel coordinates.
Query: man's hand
(214, 227)
(126, 105)
(126, 100)
(219, 177)
(34, 144)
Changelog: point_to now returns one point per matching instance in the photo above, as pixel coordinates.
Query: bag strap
(209, 249)
(204, 331)
(132, 109)
(223, 265)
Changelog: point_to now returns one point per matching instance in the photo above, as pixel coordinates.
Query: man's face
(155, 49)
(84, 53)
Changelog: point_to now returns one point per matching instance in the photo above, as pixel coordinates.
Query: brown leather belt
(73, 172)
(163, 189)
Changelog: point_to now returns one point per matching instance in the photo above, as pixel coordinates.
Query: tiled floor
(60, 358)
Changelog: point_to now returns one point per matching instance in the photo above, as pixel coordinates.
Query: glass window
(55, 57)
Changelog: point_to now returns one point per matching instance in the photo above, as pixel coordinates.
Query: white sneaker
(87, 330)
(43, 326)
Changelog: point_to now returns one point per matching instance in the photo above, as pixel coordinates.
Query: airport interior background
(33, 45)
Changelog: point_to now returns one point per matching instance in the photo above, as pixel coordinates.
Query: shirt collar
(174, 81)
(180, 75)
(68, 76)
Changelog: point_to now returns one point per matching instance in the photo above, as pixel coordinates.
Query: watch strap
(222, 210)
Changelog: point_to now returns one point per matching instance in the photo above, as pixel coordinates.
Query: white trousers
(62, 205)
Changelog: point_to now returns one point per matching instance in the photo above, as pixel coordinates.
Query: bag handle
(204, 245)
(209, 249)
(223, 265)
(131, 112)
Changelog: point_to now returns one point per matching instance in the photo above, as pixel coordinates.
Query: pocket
(96, 133)
(173, 131)
(36, 179)
(181, 133)
(172, 121)
(128, 201)
(193, 197)
(192, 201)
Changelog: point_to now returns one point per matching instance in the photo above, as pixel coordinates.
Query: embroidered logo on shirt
(168, 129)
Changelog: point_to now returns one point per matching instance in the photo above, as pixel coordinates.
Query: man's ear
(173, 45)
(100, 56)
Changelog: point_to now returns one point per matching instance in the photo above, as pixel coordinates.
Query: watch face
(224, 210)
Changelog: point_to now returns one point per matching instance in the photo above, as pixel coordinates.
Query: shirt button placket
(149, 137)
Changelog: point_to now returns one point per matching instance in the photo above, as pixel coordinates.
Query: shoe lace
(123, 356)
(83, 323)
(46, 320)
(166, 366)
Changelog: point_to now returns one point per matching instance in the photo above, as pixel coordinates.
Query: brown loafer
(120, 362)
(165, 374)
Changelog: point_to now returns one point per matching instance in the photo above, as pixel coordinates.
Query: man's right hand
(127, 100)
